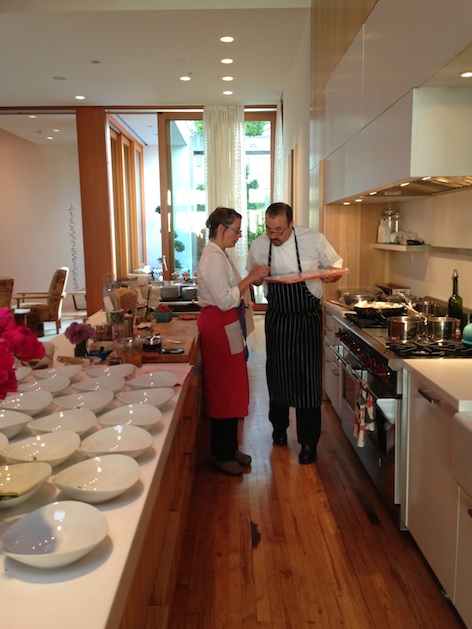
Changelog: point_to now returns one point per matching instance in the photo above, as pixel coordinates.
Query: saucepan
(441, 328)
(404, 329)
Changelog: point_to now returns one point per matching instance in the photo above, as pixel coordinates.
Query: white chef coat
(217, 279)
(314, 250)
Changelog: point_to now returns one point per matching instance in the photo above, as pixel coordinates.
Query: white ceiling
(132, 53)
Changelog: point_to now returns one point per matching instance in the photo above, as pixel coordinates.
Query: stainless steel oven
(367, 380)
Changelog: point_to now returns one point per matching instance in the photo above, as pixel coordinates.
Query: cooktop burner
(432, 349)
(366, 322)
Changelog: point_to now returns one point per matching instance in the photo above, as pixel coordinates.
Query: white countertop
(451, 377)
(91, 592)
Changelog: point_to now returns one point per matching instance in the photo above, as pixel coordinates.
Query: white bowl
(130, 440)
(124, 370)
(153, 380)
(53, 448)
(55, 385)
(55, 535)
(22, 372)
(11, 422)
(3, 441)
(142, 415)
(156, 397)
(66, 371)
(102, 383)
(99, 479)
(31, 402)
(92, 400)
(20, 481)
(78, 420)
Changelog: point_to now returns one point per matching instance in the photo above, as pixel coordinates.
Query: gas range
(431, 349)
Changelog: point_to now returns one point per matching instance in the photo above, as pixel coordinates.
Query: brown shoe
(242, 459)
(230, 468)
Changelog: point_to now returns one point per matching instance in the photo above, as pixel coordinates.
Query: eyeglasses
(276, 232)
(233, 229)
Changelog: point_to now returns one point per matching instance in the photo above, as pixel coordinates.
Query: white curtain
(225, 168)
(279, 157)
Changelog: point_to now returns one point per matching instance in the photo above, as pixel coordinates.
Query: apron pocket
(235, 337)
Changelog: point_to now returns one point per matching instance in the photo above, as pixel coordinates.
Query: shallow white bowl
(102, 383)
(3, 441)
(53, 448)
(92, 400)
(153, 380)
(55, 535)
(55, 385)
(142, 415)
(66, 371)
(155, 397)
(130, 440)
(78, 420)
(31, 402)
(11, 422)
(22, 479)
(124, 370)
(99, 479)
(22, 372)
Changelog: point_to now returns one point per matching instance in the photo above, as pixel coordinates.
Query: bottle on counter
(454, 306)
(129, 325)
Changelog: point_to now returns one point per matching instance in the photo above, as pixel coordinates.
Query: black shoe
(307, 455)
(279, 438)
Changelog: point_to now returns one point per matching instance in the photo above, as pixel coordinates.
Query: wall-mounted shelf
(455, 251)
(388, 247)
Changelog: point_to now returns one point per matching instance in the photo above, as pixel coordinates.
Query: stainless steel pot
(404, 329)
(188, 292)
(170, 291)
(441, 328)
(354, 295)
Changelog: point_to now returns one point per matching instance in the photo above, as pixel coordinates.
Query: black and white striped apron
(293, 328)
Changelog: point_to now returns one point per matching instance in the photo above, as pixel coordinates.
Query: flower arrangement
(78, 333)
(16, 341)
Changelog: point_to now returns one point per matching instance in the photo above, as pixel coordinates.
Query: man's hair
(277, 209)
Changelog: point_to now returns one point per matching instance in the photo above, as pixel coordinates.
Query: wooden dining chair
(51, 308)
(6, 291)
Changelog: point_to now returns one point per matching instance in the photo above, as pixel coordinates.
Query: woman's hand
(259, 273)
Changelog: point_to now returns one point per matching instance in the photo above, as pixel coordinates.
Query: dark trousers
(224, 438)
(308, 422)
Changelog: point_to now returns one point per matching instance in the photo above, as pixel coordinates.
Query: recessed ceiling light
(358, 200)
(227, 78)
(56, 130)
(466, 75)
(226, 61)
(227, 39)
(227, 92)
(406, 183)
(32, 116)
(185, 77)
(49, 137)
(80, 98)
(372, 193)
(346, 203)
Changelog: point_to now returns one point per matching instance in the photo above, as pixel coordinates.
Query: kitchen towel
(364, 412)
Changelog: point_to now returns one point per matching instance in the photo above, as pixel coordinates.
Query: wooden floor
(296, 546)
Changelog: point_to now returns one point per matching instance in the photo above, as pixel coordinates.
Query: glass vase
(80, 349)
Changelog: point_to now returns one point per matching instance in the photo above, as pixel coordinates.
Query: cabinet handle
(427, 395)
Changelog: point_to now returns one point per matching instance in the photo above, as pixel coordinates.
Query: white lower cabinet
(463, 598)
(331, 371)
(432, 489)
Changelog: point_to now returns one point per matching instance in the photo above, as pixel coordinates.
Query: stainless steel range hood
(434, 156)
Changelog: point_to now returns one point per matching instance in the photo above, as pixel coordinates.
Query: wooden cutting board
(154, 357)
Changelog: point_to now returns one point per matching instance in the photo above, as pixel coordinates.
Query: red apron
(225, 378)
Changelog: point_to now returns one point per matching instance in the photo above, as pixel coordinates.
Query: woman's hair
(277, 209)
(221, 216)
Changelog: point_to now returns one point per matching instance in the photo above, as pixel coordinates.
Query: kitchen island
(129, 578)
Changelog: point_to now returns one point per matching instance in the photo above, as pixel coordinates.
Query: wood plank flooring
(294, 546)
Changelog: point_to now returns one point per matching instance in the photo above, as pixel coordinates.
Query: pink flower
(15, 340)
(78, 332)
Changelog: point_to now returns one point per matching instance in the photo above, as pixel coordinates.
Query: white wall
(444, 221)
(37, 188)
(296, 129)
